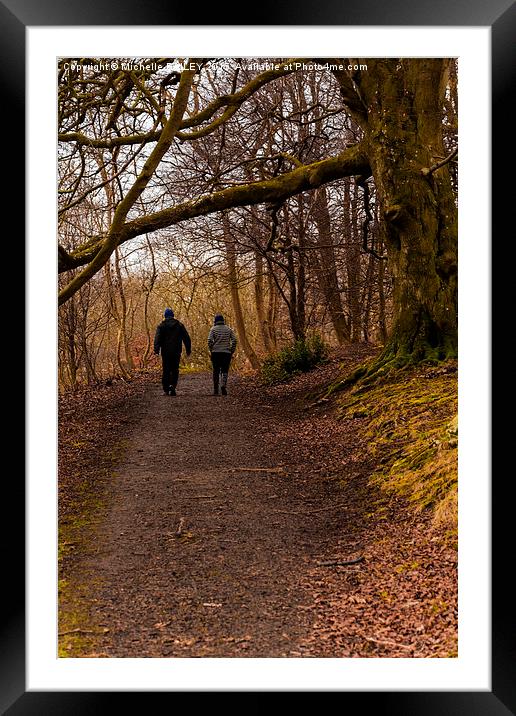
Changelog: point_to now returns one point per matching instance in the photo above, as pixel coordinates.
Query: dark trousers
(170, 369)
(220, 362)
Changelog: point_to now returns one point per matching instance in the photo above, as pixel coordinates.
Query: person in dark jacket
(222, 343)
(170, 337)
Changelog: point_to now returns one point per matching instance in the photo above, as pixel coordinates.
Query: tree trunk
(229, 244)
(419, 211)
(260, 305)
(114, 312)
(403, 128)
(353, 269)
(294, 301)
(367, 298)
(301, 269)
(124, 337)
(148, 290)
(272, 307)
(327, 271)
(82, 331)
(382, 322)
(72, 353)
(119, 316)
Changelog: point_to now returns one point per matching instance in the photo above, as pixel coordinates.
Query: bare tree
(151, 119)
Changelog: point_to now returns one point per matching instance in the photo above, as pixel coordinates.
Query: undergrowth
(300, 357)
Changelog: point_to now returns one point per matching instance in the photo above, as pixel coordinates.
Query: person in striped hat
(222, 343)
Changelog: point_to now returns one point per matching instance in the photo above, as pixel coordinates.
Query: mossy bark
(275, 190)
(403, 130)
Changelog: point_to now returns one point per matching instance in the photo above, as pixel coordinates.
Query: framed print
(477, 681)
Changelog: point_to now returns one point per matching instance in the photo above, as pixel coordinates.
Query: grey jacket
(222, 339)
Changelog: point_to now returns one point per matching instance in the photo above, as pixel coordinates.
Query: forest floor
(196, 525)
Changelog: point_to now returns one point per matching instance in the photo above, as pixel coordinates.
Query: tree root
(365, 375)
(380, 367)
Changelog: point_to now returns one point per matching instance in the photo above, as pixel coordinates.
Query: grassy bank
(409, 423)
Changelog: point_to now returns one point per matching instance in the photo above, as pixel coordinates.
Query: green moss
(410, 427)
(438, 607)
(407, 567)
(76, 536)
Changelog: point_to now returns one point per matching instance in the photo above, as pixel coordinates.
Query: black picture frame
(15, 16)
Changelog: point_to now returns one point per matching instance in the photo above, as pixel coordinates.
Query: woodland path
(255, 484)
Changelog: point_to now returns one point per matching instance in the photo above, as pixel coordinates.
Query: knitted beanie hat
(219, 318)
(169, 313)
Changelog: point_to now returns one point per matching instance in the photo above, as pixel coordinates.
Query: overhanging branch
(352, 161)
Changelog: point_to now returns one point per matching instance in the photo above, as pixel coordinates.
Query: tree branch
(110, 143)
(230, 101)
(425, 171)
(350, 93)
(350, 162)
(115, 232)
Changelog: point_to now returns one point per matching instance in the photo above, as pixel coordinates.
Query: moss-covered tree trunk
(418, 210)
(382, 321)
(400, 110)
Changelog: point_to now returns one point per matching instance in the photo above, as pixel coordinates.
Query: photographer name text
(264, 66)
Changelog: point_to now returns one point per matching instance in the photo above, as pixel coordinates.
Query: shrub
(300, 357)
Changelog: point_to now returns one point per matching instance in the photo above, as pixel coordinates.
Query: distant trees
(297, 200)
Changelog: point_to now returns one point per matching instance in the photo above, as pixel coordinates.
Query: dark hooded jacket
(170, 337)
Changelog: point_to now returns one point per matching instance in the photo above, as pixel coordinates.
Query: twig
(386, 642)
(425, 171)
(179, 530)
(287, 512)
(329, 507)
(273, 209)
(338, 563)
(311, 512)
(317, 402)
(365, 224)
(256, 469)
(82, 631)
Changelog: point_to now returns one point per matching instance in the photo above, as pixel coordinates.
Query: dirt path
(258, 492)
(229, 585)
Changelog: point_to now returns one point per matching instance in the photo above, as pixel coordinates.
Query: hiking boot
(215, 391)
(171, 390)
(223, 390)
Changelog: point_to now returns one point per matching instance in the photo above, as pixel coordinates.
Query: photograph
(257, 344)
